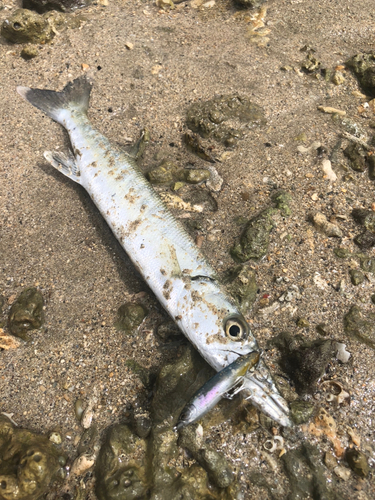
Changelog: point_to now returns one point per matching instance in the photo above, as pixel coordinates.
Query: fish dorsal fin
(64, 163)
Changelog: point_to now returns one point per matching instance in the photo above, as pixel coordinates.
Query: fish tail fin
(74, 97)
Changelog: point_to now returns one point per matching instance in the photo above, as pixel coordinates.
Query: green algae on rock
(121, 466)
(145, 375)
(168, 172)
(176, 383)
(26, 313)
(255, 239)
(365, 240)
(363, 66)
(29, 462)
(356, 277)
(357, 156)
(242, 286)
(360, 325)
(26, 26)
(63, 5)
(301, 411)
(365, 218)
(209, 118)
(306, 473)
(357, 461)
(29, 52)
(129, 317)
(282, 201)
(216, 465)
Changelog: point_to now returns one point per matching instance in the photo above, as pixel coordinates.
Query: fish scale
(164, 254)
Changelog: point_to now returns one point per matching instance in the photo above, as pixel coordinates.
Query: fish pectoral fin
(237, 387)
(64, 163)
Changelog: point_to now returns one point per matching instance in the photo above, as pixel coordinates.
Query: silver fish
(230, 377)
(163, 253)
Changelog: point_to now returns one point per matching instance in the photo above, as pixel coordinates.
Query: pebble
(327, 169)
(55, 437)
(82, 464)
(328, 109)
(321, 223)
(342, 472)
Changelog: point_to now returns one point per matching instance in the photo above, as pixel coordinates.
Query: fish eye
(236, 328)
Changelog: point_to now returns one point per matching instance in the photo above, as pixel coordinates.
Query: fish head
(213, 324)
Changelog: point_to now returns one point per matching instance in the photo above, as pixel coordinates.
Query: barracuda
(164, 254)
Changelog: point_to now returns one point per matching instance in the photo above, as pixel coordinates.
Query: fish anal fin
(64, 163)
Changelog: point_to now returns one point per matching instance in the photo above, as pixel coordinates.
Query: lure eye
(235, 328)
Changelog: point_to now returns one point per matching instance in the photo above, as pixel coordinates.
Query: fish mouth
(261, 390)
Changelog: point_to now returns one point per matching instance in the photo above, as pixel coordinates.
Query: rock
(26, 313)
(208, 118)
(29, 463)
(301, 411)
(371, 167)
(216, 465)
(242, 286)
(360, 325)
(356, 277)
(55, 438)
(121, 466)
(196, 176)
(29, 52)
(342, 472)
(254, 240)
(303, 323)
(169, 332)
(176, 384)
(342, 253)
(305, 363)
(330, 460)
(357, 157)
(365, 218)
(8, 341)
(79, 408)
(138, 148)
(322, 329)
(62, 5)
(141, 424)
(282, 201)
(166, 173)
(194, 145)
(363, 66)
(321, 223)
(306, 474)
(147, 377)
(129, 317)
(327, 169)
(338, 78)
(311, 64)
(365, 240)
(88, 441)
(357, 461)
(251, 4)
(26, 26)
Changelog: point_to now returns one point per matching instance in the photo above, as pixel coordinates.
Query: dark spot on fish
(142, 246)
(163, 272)
(177, 318)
